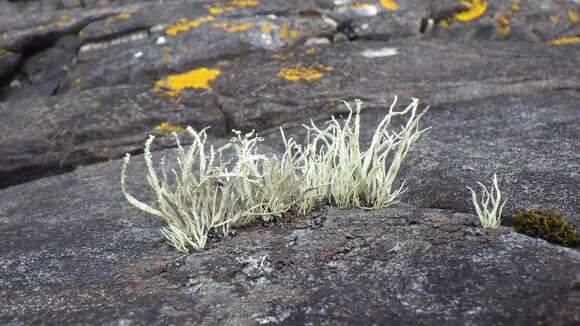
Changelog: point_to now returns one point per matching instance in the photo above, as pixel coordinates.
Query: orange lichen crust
(503, 24)
(63, 20)
(285, 32)
(196, 78)
(185, 25)
(220, 8)
(303, 73)
(573, 16)
(122, 16)
(554, 18)
(233, 27)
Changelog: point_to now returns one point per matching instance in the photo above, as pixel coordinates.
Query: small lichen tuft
(547, 224)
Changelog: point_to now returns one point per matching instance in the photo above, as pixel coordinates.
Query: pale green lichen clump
(490, 207)
(209, 195)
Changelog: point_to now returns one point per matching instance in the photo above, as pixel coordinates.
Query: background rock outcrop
(83, 82)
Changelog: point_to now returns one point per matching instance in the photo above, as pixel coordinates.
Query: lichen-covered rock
(529, 140)
(41, 74)
(83, 82)
(314, 79)
(73, 251)
(52, 135)
(143, 56)
(8, 63)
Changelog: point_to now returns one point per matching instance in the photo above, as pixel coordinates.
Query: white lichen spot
(359, 9)
(119, 40)
(316, 40)
(161, 40)
(157, 28)
(379, 53)
(138, 54)
(329, 21)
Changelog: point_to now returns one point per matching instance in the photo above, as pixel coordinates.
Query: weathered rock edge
(72, 250)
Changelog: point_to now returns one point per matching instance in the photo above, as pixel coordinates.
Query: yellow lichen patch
(220, 8)
(357, 5)
(185, 25)
(565, 40)
(196, 78)
(325, 68)
(96, 104)
(573, 15)
(165, 55)
(282, 56)
(63, 20)
(4, 52)
(516, 6)
(303, 73)
(285, 32)
(224, 63)
(554, 18)
(311, 51)
(503, 24)
(445, 23)
(164, 126)
(475, 9)
(215, 10)
(76, 82)
(266, 28)
(124, 15)
(244, 3)
(233, 27)
(390, 4)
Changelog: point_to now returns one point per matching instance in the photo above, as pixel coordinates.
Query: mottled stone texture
(83, 82)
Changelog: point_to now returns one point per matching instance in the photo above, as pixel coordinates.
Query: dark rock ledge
(75, 252)
(87, 83)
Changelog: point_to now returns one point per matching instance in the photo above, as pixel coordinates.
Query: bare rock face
(83, 82)
(78, 253)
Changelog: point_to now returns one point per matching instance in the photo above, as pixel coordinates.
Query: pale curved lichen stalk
(348, 177)
(208, 195)
(490, 207)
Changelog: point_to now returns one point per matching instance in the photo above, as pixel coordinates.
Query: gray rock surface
(73, 251)
(84, 81)
(44, 136)
(529, 140)
(258, 91)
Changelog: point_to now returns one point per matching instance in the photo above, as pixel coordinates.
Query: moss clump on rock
(547, 224)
